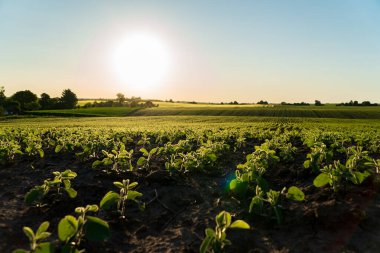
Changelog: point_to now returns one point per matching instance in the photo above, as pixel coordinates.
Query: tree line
(28, 101)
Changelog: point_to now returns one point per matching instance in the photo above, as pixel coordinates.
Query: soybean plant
(125, 193)
(216, 239)
(35, 238)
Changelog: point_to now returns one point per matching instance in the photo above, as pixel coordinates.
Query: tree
(68, 99)
(120, 98)
(27, 100)
(318, 103)
(45, 101)
(261, 102)
(2, 96)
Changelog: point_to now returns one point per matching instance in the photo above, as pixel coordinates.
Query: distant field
(167, 109)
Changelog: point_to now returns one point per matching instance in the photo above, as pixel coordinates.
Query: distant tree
(148, 104)
(261, 102)
(356, 103)
(318, 103)
(171, 101)
(2, 96)
(12, 106)
(284, 103)
(68, 99)
(235, 103)
(45, 101)
(366, 103)
(27, 100)
(120, 98)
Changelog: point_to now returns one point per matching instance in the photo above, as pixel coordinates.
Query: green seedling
(120, 160)
(60, 183)
(72, 230)
(267, 203)
(35, 238)
(143, 161)
(318, 155)
(126, 193)
(337, 175)
(216, 239)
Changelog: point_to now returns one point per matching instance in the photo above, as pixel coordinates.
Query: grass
(175, 109)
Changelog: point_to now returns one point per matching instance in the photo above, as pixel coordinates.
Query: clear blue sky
(284, 50)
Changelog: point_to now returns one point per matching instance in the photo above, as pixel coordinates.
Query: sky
(284, 50)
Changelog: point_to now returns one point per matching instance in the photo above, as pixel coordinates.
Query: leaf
(295, 193)
(144, 151)
(321, 180)
(20, 251)
(33, 195)
(209, 232)
(141, 161)
(240, 224)
(133, 194)
(41, 152)
(118, 184)
(57, 148)
(42, 228)
(96, 164)
(92, 208)
(29, 233)
(96, 229)
(43, 235)
(358, 177)
(233, 184)
(223, 219)
(67, 228)
(109, 200)
(132, 185)
(45, 247)
(306, 164)
(71, 192)
(256, 205)
(212, 157)
(205, 244)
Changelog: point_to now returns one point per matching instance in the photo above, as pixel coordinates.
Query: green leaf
(321, 180)
(96, 164)
(33, 195)
(109, 200)
(43, 235)
(256, 205)
(45, 247)
(141, 161)
(306, 164)
(144, 151)
(58, 148)
(71, 192)
(92, 208)
(240, 224)
(20, 251)
(96, 229)
(233, 184)
(42, 228)
(358, 177)
(41, 152)
(133, 185)
(133, 195)
(118, 184)
(28, 232)
(295, 193)
(205, 244)
(67, 228)
(209, 232)
(223, 219)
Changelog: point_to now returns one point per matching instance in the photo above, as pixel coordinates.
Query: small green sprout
(35, 238)
(125, 193)
(60, 182)
(216, 240)
(71, 230)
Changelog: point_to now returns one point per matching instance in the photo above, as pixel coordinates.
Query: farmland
(158, 182)
(173, 109)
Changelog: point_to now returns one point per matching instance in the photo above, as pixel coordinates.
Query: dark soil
(179, 208)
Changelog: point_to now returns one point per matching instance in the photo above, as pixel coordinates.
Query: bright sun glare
(141, 60)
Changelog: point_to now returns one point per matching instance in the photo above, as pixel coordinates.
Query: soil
(179, 208)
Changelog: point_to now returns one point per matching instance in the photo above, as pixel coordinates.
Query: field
(301, 184)
(167, 109)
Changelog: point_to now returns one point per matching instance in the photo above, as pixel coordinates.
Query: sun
(141, 60)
